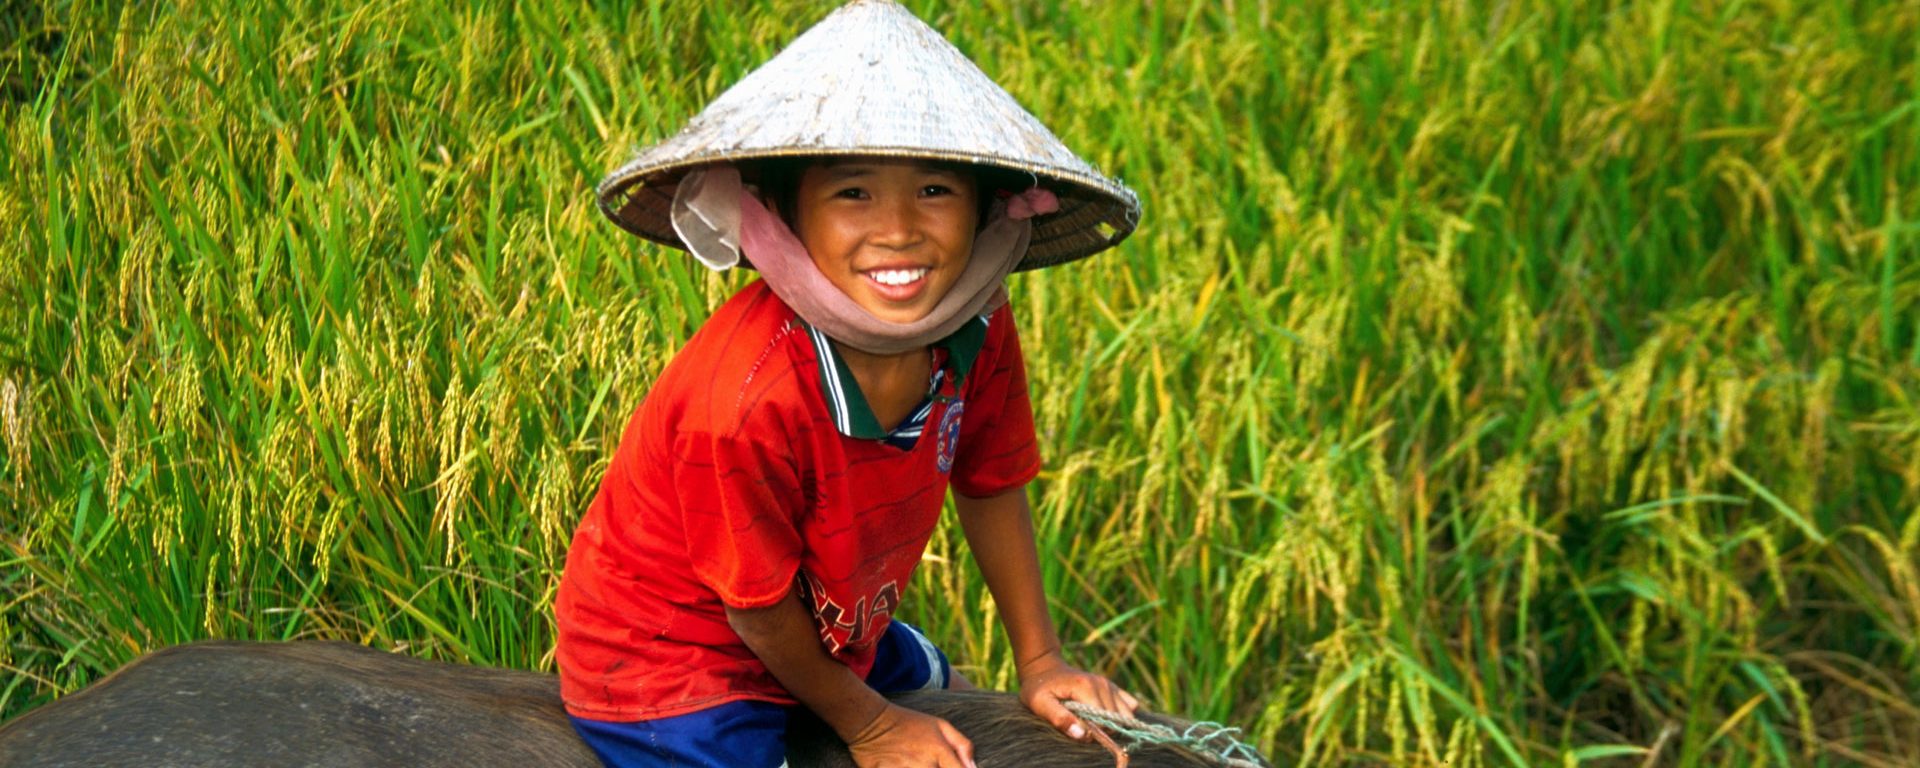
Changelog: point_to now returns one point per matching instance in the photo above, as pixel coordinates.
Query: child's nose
(896, 223)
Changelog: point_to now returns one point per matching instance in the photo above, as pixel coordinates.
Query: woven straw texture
(872, 79)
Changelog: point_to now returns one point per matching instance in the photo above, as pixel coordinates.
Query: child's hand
(902, 738)
(1047, 683)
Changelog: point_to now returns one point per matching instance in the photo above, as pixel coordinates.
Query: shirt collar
(852, 416)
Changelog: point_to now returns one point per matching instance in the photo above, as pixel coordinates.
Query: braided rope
(1212, 741)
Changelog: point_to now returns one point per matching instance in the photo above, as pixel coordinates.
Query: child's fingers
(1051, 709)
(1076, 730)
(1120, 702)
(1102, 694)
(962, 747)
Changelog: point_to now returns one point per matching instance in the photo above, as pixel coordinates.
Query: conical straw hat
(871, 79)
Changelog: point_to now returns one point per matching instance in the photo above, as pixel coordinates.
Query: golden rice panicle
(1394, 722)
(1625, 400)
(123, 454)
(16, 426)
(181, 394)
(1902, 596)
(164, 527)
(1320, 324)
(415, 436)
(1337, 671)
(210, 598)
(454, 483)
(423, 289)
(1519, 330)
(554, 505)
(1463, 746)
(1366, 693)
(1818, 432)
(388, 400)
(234, 507)
(1427, 299)
(1313, 543)
(1410, 696)
(1509, 512)
(133, 301)
(1639, 614)
(1731, 393)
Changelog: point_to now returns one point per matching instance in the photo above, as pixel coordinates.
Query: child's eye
(936, 190)
(852, 193)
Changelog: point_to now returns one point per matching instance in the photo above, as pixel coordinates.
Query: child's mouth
(898, 284)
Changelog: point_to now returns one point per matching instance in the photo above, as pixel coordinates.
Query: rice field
(1488, 384)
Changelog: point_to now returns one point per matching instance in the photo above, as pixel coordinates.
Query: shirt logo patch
(842, 628)
(949, 435)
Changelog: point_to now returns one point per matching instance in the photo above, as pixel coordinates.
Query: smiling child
(767, 505)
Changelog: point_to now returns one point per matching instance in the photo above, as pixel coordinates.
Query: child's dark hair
(779, 181)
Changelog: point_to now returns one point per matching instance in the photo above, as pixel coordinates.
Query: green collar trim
(848, 405)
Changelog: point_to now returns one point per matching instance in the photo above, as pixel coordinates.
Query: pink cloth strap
(783, 262)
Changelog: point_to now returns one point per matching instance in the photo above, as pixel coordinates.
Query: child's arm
(999, 530)
(877, 732)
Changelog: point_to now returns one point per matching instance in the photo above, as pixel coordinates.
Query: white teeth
(897, 276)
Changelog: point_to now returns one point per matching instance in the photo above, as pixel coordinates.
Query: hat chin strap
(718, 219)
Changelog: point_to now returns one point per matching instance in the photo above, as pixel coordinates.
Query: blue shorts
(753, 734)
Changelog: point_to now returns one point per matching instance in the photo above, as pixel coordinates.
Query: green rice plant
(1487, 384)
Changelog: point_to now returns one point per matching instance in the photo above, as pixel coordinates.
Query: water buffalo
(221, 703)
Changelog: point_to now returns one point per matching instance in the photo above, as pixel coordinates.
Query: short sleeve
(739, 499)
(997, 451)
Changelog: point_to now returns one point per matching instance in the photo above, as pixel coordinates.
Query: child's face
(892, 234)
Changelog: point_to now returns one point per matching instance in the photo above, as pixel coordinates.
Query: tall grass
(1488, 384)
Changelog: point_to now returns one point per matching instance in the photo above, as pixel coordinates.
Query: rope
(1120, 758)
(1215, 742)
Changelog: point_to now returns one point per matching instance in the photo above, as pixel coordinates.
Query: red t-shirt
(732, 484)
